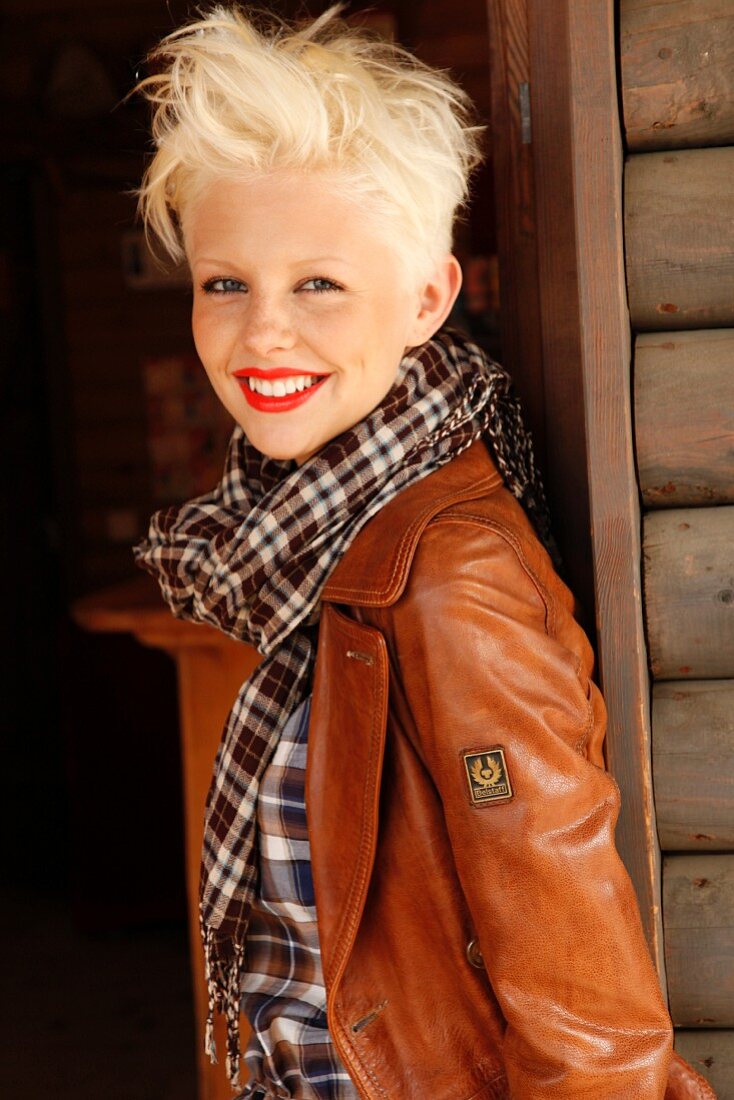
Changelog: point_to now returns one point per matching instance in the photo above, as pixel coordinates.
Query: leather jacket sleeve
(488, 655)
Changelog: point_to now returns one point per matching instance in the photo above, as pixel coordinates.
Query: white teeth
(281, 387)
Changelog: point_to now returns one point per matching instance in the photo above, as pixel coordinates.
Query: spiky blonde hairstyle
(243, 94)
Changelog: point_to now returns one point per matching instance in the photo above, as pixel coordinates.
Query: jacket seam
(355, 630)
(499, 1077)
(548, 601)
(360, 1062)
(509, 537)
(361, 877)
(408, 541)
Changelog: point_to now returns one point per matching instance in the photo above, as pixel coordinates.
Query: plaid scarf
(252, 558)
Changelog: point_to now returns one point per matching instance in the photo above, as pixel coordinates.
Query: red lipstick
(289, 401)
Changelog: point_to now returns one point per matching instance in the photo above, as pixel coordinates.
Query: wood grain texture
(677, 61)
(517, 240)
(684, 417)
(689, 592)
(679, 233)
(554, 142)
(711, 1053)
(693, 764)
(586, 363)
(698, 909)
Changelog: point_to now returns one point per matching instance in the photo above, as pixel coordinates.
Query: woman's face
(301, 311)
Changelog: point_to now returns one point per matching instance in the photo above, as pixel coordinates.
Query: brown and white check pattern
(252, 558)
(290, 1052)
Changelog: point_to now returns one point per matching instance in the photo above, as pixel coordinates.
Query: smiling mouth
(281, 387)
(278, 394)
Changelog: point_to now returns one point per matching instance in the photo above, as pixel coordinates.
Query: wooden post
(512, 161)
(586, 369)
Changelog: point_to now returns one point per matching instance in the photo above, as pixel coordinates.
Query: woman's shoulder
(443, 524)
(375, 567)
(456, 539)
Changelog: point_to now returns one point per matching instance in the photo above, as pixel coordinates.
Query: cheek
(211, 337)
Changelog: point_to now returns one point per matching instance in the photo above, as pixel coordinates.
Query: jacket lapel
(346, 746)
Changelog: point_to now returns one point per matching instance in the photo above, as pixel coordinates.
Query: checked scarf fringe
(252, 558)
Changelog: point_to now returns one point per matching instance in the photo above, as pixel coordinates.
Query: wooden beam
(689, 592)
(684, 417)
(693, 764)
(679, 233)
(698, 892)
(711, 1053)
(677, 61)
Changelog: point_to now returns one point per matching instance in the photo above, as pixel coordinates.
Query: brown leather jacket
(480, 936)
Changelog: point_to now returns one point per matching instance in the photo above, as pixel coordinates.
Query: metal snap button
(474, 954)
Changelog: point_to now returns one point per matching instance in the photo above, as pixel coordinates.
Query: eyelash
(209, 284)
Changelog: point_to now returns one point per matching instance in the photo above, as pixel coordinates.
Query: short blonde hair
(245, 95)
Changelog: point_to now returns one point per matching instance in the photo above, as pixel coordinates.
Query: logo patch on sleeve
(487, 775)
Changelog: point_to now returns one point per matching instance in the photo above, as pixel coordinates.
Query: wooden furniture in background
(211, 668)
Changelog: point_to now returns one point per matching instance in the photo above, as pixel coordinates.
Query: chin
(282, 450)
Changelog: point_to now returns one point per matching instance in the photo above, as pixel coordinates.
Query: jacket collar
(374, 569)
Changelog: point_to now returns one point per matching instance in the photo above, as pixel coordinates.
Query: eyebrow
(299, 263)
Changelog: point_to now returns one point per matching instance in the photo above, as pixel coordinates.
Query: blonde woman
(409, 882)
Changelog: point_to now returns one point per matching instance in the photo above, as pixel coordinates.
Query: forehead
(280, 214)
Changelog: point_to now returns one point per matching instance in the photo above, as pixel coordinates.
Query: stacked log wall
(677, 69)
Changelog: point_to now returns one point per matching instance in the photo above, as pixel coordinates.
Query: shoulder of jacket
(373, 572)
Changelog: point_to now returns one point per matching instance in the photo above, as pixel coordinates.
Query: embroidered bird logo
(485, 777)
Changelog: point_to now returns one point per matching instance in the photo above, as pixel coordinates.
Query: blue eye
(221, 286)
(319, 286)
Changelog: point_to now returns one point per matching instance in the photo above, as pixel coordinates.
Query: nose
(267, 326)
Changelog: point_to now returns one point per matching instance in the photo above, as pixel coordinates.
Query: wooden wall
(678, 95)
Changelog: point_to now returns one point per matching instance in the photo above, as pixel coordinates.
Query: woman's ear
(436, 297)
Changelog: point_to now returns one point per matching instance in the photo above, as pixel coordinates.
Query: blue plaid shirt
(291, 1053)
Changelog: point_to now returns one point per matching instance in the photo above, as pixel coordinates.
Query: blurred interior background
(106, 415)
